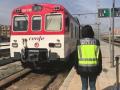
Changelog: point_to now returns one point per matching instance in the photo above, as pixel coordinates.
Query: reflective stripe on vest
(88, 55)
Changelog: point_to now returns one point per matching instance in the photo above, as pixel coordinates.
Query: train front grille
(37, 54)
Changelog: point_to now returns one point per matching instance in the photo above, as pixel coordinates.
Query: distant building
(5, 30)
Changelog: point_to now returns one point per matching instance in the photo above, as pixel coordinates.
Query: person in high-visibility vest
(88, 58)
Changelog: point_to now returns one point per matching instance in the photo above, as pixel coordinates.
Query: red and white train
(42, 33)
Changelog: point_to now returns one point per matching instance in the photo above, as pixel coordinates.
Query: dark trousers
(88, 79)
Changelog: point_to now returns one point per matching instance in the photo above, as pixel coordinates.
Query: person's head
(87, 31)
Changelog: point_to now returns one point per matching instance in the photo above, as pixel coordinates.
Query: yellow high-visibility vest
(88, 55)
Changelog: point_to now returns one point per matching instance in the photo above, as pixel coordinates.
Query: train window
(53, 22)
(71, 30)
(36, 23)
(20, 23)
(75, 31)
(67, 23)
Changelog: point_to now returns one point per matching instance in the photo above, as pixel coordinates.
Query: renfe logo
(37, 38)
(36, 45)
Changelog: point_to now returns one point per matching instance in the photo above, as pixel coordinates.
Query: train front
(37, 33)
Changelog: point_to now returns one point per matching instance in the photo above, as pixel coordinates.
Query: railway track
(33, 81)
(26, 79)
(10, 79)
(7, 60)
(116, 43)
(4, 52)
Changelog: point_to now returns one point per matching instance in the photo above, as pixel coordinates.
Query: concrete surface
(106, 80)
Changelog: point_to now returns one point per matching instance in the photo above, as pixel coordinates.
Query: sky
(73, 6)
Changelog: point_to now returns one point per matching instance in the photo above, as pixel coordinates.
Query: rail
(7, 60)
(5, 45)
(116, 43)
(13, 77)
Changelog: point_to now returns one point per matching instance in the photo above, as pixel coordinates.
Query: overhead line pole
(98, 22)
(112, 47)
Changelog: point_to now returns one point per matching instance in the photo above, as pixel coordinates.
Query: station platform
(105, 81)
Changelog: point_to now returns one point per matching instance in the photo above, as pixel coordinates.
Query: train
(43, 34)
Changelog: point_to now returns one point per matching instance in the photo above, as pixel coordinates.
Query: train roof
(42, 6)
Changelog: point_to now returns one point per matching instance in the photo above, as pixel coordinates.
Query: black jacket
(96, 70)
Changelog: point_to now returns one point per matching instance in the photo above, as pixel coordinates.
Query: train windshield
(53, 22)
(36, 23)
(20, 23)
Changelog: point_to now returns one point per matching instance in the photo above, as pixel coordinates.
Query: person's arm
(100, 58)
(76, 57)
(100, 61)
(76, 60)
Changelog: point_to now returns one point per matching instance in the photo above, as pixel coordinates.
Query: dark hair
(87, 31)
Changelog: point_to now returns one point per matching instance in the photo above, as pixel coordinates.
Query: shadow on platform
(113, 87)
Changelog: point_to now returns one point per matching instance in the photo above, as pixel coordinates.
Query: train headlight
(37, 8)
(15, 45)
(57, 8)
(51, 44)
(18, 10)
(55, 45)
